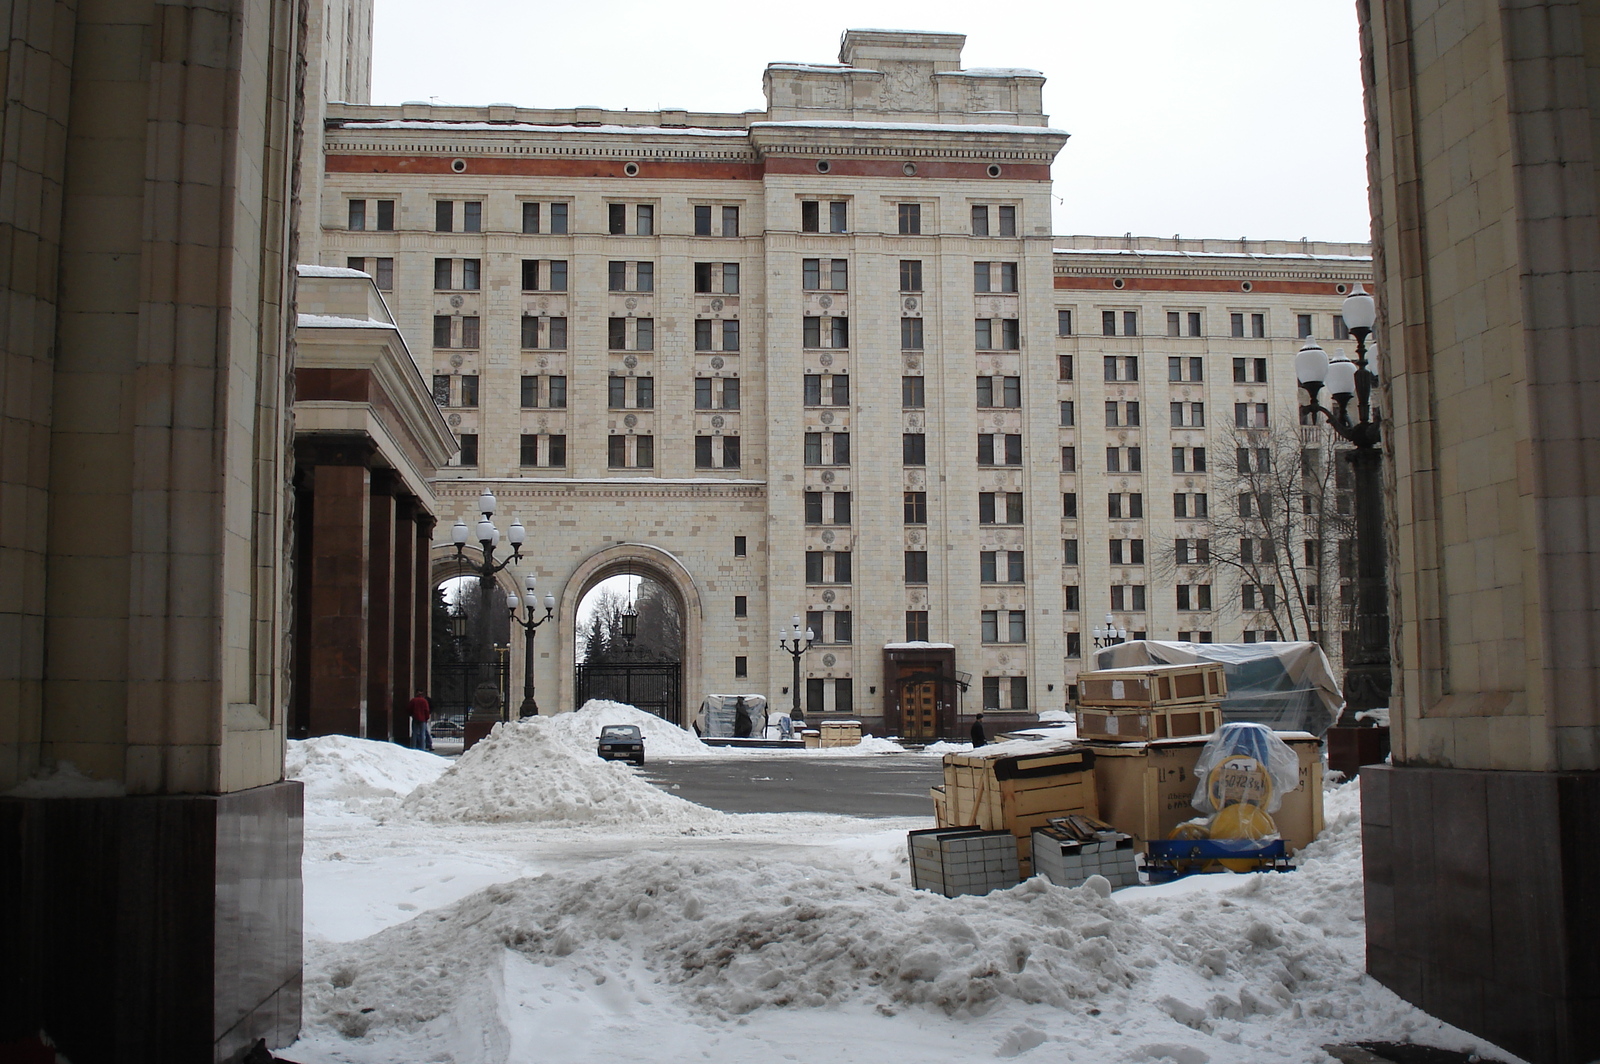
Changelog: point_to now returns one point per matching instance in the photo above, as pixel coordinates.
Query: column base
(1350, 747)
(153, 929)
(1480, 902)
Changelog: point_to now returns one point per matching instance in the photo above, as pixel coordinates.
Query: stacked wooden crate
(840, 733)
(952, 861)
(1014, 789)
(1151, 702)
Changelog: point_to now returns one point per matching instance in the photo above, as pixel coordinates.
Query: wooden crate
(841, 733)
(1135, 725)
(1146, 789)
(1153, 685)
(1016, 792)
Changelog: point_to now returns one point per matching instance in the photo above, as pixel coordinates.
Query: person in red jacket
(421, 710)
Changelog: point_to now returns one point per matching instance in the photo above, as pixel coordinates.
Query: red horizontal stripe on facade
(1199, 284)
(499, 166)
(926, 168)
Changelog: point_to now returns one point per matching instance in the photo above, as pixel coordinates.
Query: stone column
(381, 606)
(422, 652)
(337, 584)
(405, 616)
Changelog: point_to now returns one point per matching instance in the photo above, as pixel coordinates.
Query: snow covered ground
(531, 903)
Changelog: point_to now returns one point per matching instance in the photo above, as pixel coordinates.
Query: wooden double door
(919, 709)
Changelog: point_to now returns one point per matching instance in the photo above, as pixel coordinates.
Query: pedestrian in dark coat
(978, 738)
(421, 711)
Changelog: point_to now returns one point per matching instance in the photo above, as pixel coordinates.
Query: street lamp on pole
(529, 707)
(794, 641)
(1110, 634)
(1351, 416)
(486, 700)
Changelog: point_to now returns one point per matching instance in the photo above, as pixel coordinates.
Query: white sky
(1224, 118)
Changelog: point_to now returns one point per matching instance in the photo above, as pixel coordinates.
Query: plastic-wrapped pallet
(952, 861)
(1067, 861)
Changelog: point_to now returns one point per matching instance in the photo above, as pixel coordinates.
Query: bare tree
(658, 626)
(1280, 517)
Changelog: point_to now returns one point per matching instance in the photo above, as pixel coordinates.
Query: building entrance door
(919, 709)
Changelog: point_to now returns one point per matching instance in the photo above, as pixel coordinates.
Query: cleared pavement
(857, 785)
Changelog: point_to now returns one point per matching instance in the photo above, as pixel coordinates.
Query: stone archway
(637, 559)
(445, 565)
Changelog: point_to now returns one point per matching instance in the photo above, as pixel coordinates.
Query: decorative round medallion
(916, 478)
(631, 169)
(456, 301)
(630, 361)
(631, 420)
(544, 363)
(458, 165)
(829, 596)
(999, 420)
(914, 422)
(1004, 659)
(455, 419)
(823, 166)
(828, 660)
(911, 302)
(716, 362)
(825, 302)
(1123, 483)
(544, 304)
(1188, 482)
(544, 424)
(455, 360)
(909, 169)
(631, 303)
(826, 359)
(913, 363)
(827, 417)
(827, 537)
(717, 421)
(827, 477)
(994, 364)
(716, 304)
(914, 537)
(1117, 283)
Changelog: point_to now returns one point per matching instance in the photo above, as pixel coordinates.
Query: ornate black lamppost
(1349, 385)
(794, 641)
(486, 701)
(1110, 635)
(529, 707)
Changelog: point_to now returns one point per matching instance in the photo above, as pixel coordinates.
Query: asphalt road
(870, 786)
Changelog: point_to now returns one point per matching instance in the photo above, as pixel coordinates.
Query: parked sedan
(445, 729)
(622, 742)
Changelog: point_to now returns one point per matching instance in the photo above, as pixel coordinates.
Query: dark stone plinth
(1480, 900)
(1351, 747)
(153, 929)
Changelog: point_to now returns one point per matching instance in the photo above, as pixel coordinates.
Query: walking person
(978, 738)
(421, 711)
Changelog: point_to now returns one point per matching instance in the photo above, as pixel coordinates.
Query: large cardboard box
(1146, 789)
(1004, 788)
(1153, 685)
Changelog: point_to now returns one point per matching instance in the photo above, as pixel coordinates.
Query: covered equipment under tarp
(719, 714)
(1286, 686)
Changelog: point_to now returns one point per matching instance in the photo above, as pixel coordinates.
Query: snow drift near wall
(342, 766)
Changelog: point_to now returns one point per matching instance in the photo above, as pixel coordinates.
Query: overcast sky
(1220, 118)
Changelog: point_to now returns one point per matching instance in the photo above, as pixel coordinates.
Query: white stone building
(810, 360)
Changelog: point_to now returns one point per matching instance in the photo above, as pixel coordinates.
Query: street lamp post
(486, 700)
(794, 641)
(1349, 385)
(1110, 634)
(529, 707)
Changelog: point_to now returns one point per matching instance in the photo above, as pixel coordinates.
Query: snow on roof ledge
(334, 321)
(311, 270)
(919, 645)
(908, 127)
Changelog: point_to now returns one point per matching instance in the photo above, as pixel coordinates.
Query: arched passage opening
(634, 625)
(471, 647)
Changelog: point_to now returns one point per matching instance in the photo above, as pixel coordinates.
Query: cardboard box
(1130, 725)
(1153, 685)
(1000, 789)
(1147, 789)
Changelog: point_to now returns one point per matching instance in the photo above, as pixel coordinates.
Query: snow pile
(526, 771)
(1247, 968)
(341, 766)
(579, 729)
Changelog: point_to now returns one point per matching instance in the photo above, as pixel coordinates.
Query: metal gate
(454, 683)
(653, 686)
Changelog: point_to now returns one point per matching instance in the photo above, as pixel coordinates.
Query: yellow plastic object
(1239, 779)
(1186, 831)
(1242, 820)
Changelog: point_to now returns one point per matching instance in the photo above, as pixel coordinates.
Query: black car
(622, 742)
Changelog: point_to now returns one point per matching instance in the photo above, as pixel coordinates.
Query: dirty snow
(558, 931)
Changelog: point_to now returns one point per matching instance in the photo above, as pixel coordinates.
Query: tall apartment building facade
(825, 360)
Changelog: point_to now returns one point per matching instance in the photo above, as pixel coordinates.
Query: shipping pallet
(1169, 859)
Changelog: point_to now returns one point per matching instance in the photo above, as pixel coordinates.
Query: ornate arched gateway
(651, 562)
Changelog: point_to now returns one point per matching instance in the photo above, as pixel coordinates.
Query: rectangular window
(442, 270)
(910, 275)
(1064, 367)
(989, 626)
(358, 215)
(991, 693)
(1303, 322)
(617, 334)
(616, 218)
(1068, 413)
(980, 276)
(910, 219)
(1074, 644)
(730, 333)
(916, 567)
(1010, 335)
(980, 220)
(916, 507)
(616, 276)
(839, 332)
(916, 626)
(810, 274)
(813, 448)
(912, 395)
(841, 507)
(472, 217)
(530, 392)
(1194, 323)
(558, 448)
(1174, 323)
(839, 275)
(914, 449)
(1108, 324)
(1008, 277)
(1064, 325)
(1130, 323)
(1341, 331)
(469, 389)
(1069, 459)
(837, 216)
(469, 449)
(811, 331)
(810, 216)
(469, 331)
(558, 275)
(1258, 326)
(1069, 506)
(841, 447)
(815, 704)
(983, 334)
(530, 275)
(1236, 325)
(441, 389)
(444, 213)
(530, 217)
(843, 630)
(1018, 625)
(644, 217)
(469, 274)
(813, 567)
(730, 221)
(385, 215)
(1008, 220)
(703, 457)
(442, 330)
(702, 220)
(530, 449)
(841, 567)
(911, 334)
